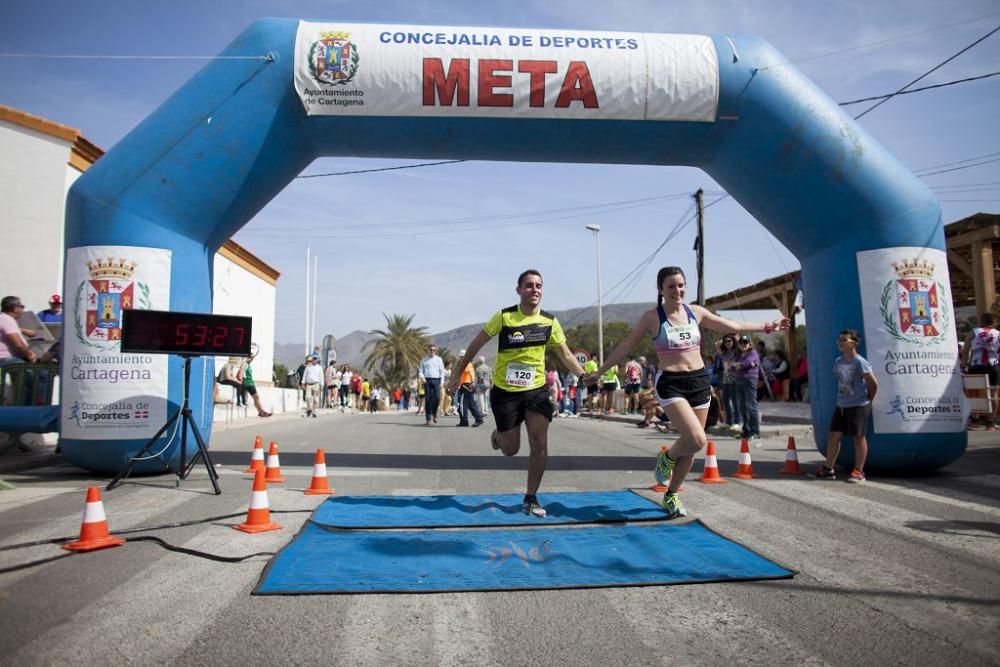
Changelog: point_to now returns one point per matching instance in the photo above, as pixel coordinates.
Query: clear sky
(452, 273)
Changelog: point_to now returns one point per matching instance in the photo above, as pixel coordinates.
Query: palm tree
(397, 351)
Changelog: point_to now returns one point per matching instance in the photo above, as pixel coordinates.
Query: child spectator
(856, 387)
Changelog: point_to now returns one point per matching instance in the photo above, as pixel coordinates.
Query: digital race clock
(163, 332)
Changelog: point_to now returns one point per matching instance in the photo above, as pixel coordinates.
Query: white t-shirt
(8, 326)
(985, 346)
(345, 378)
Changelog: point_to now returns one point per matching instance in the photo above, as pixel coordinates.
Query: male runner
(519, 393)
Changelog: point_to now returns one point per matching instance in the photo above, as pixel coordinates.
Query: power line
(949, 164)
(879, 42)
(962, 185)
(368, 171)
(919, 90)
(552, 215)
(927, 73)
(945, 171)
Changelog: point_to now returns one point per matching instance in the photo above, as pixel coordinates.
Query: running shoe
(756, 441)
(532, 508)
(495, 439)
(736, 429)
(856, 477)
(664, 466)
(823, 472)
(672, 504)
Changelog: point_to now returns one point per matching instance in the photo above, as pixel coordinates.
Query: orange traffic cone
(273, 469)
(259, 514)
(745, 468)
(320, 485)
(791, 459)
(659, 488)
(94, 529)
(711, 473)
(257, 458)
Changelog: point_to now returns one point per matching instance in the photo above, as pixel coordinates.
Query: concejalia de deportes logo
(914, 307)
(333, 60)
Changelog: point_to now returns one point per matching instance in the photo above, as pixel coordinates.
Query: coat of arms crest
(333, 60)
(917, 300)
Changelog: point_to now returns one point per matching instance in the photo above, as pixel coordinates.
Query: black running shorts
(509, 407)
(691, 386)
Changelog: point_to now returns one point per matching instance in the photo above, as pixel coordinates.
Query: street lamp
(600, 314)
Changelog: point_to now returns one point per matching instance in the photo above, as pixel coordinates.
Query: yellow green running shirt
(521, 347)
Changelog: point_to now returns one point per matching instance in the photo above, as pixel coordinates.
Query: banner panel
(401, 70)
(107, 394)
(911, 340)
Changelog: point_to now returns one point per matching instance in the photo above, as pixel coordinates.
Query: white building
(39, 161)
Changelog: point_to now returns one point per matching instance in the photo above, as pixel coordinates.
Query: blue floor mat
(325, 560)
(488, 510)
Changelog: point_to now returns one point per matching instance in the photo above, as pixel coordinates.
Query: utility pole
(699, 246)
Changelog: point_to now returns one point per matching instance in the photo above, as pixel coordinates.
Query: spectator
(981, 354)
(593, 396)
(397, 398)
(356, 382)
(730, 392)
(332, 380)
(312, 380)
(747, 375)
(431, 373)
(801, 380)
(230, 375)
(609, 385)
(466, 396)
(484, 381)
(446, 407)
(54, 312)
(764, 378)
(346, 376)
(856, 387)
(13, 348)
(554, 386)
(249, 387)
(366, 393)
(570, 388)
(779, 368)
(648, 373)
(633, 383)
(373, 399)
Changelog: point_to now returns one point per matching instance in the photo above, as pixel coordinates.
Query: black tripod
(185, 467)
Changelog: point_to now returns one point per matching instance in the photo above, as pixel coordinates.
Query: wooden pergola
(973, 247)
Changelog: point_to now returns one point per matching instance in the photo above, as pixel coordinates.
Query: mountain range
(350, 347)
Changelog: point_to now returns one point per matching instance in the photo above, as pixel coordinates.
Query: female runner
(682, 383)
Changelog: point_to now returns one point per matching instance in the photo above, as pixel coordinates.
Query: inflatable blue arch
(143, 224)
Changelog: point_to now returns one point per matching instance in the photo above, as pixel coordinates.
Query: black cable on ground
(25, 566)
(195, 552)
(145, 529)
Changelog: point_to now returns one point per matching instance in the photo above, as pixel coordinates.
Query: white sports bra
(671, 339)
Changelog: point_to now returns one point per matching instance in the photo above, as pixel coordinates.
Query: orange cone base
(258, 528)
(275, 480)
(712, 480)
(659, 488)
(319, 492)
(251, 470)
(745, 475)
(91, 545)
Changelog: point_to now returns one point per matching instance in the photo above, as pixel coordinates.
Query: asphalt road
(896, 571)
